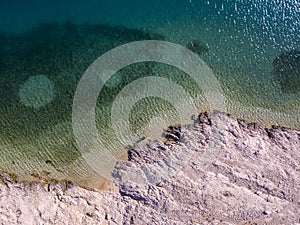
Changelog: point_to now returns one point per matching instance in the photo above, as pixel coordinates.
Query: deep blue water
(270, 27)
(276, 19)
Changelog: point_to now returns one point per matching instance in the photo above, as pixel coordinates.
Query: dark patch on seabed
(286, 69)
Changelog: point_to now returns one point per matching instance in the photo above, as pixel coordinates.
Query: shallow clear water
(41, 65)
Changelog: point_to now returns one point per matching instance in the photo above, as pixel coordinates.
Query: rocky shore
(220, 170)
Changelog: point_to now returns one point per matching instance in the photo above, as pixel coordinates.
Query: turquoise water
(46, 46)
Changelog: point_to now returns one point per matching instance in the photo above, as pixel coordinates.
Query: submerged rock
(286, 68)
(197, 47)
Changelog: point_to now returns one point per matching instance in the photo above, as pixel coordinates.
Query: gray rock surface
(218, 171)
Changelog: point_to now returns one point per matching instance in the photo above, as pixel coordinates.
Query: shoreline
(253, 178)
(103, 183)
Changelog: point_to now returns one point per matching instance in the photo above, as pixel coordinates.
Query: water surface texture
(253, 48)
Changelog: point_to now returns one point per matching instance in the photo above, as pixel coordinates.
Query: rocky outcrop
(219, 170)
